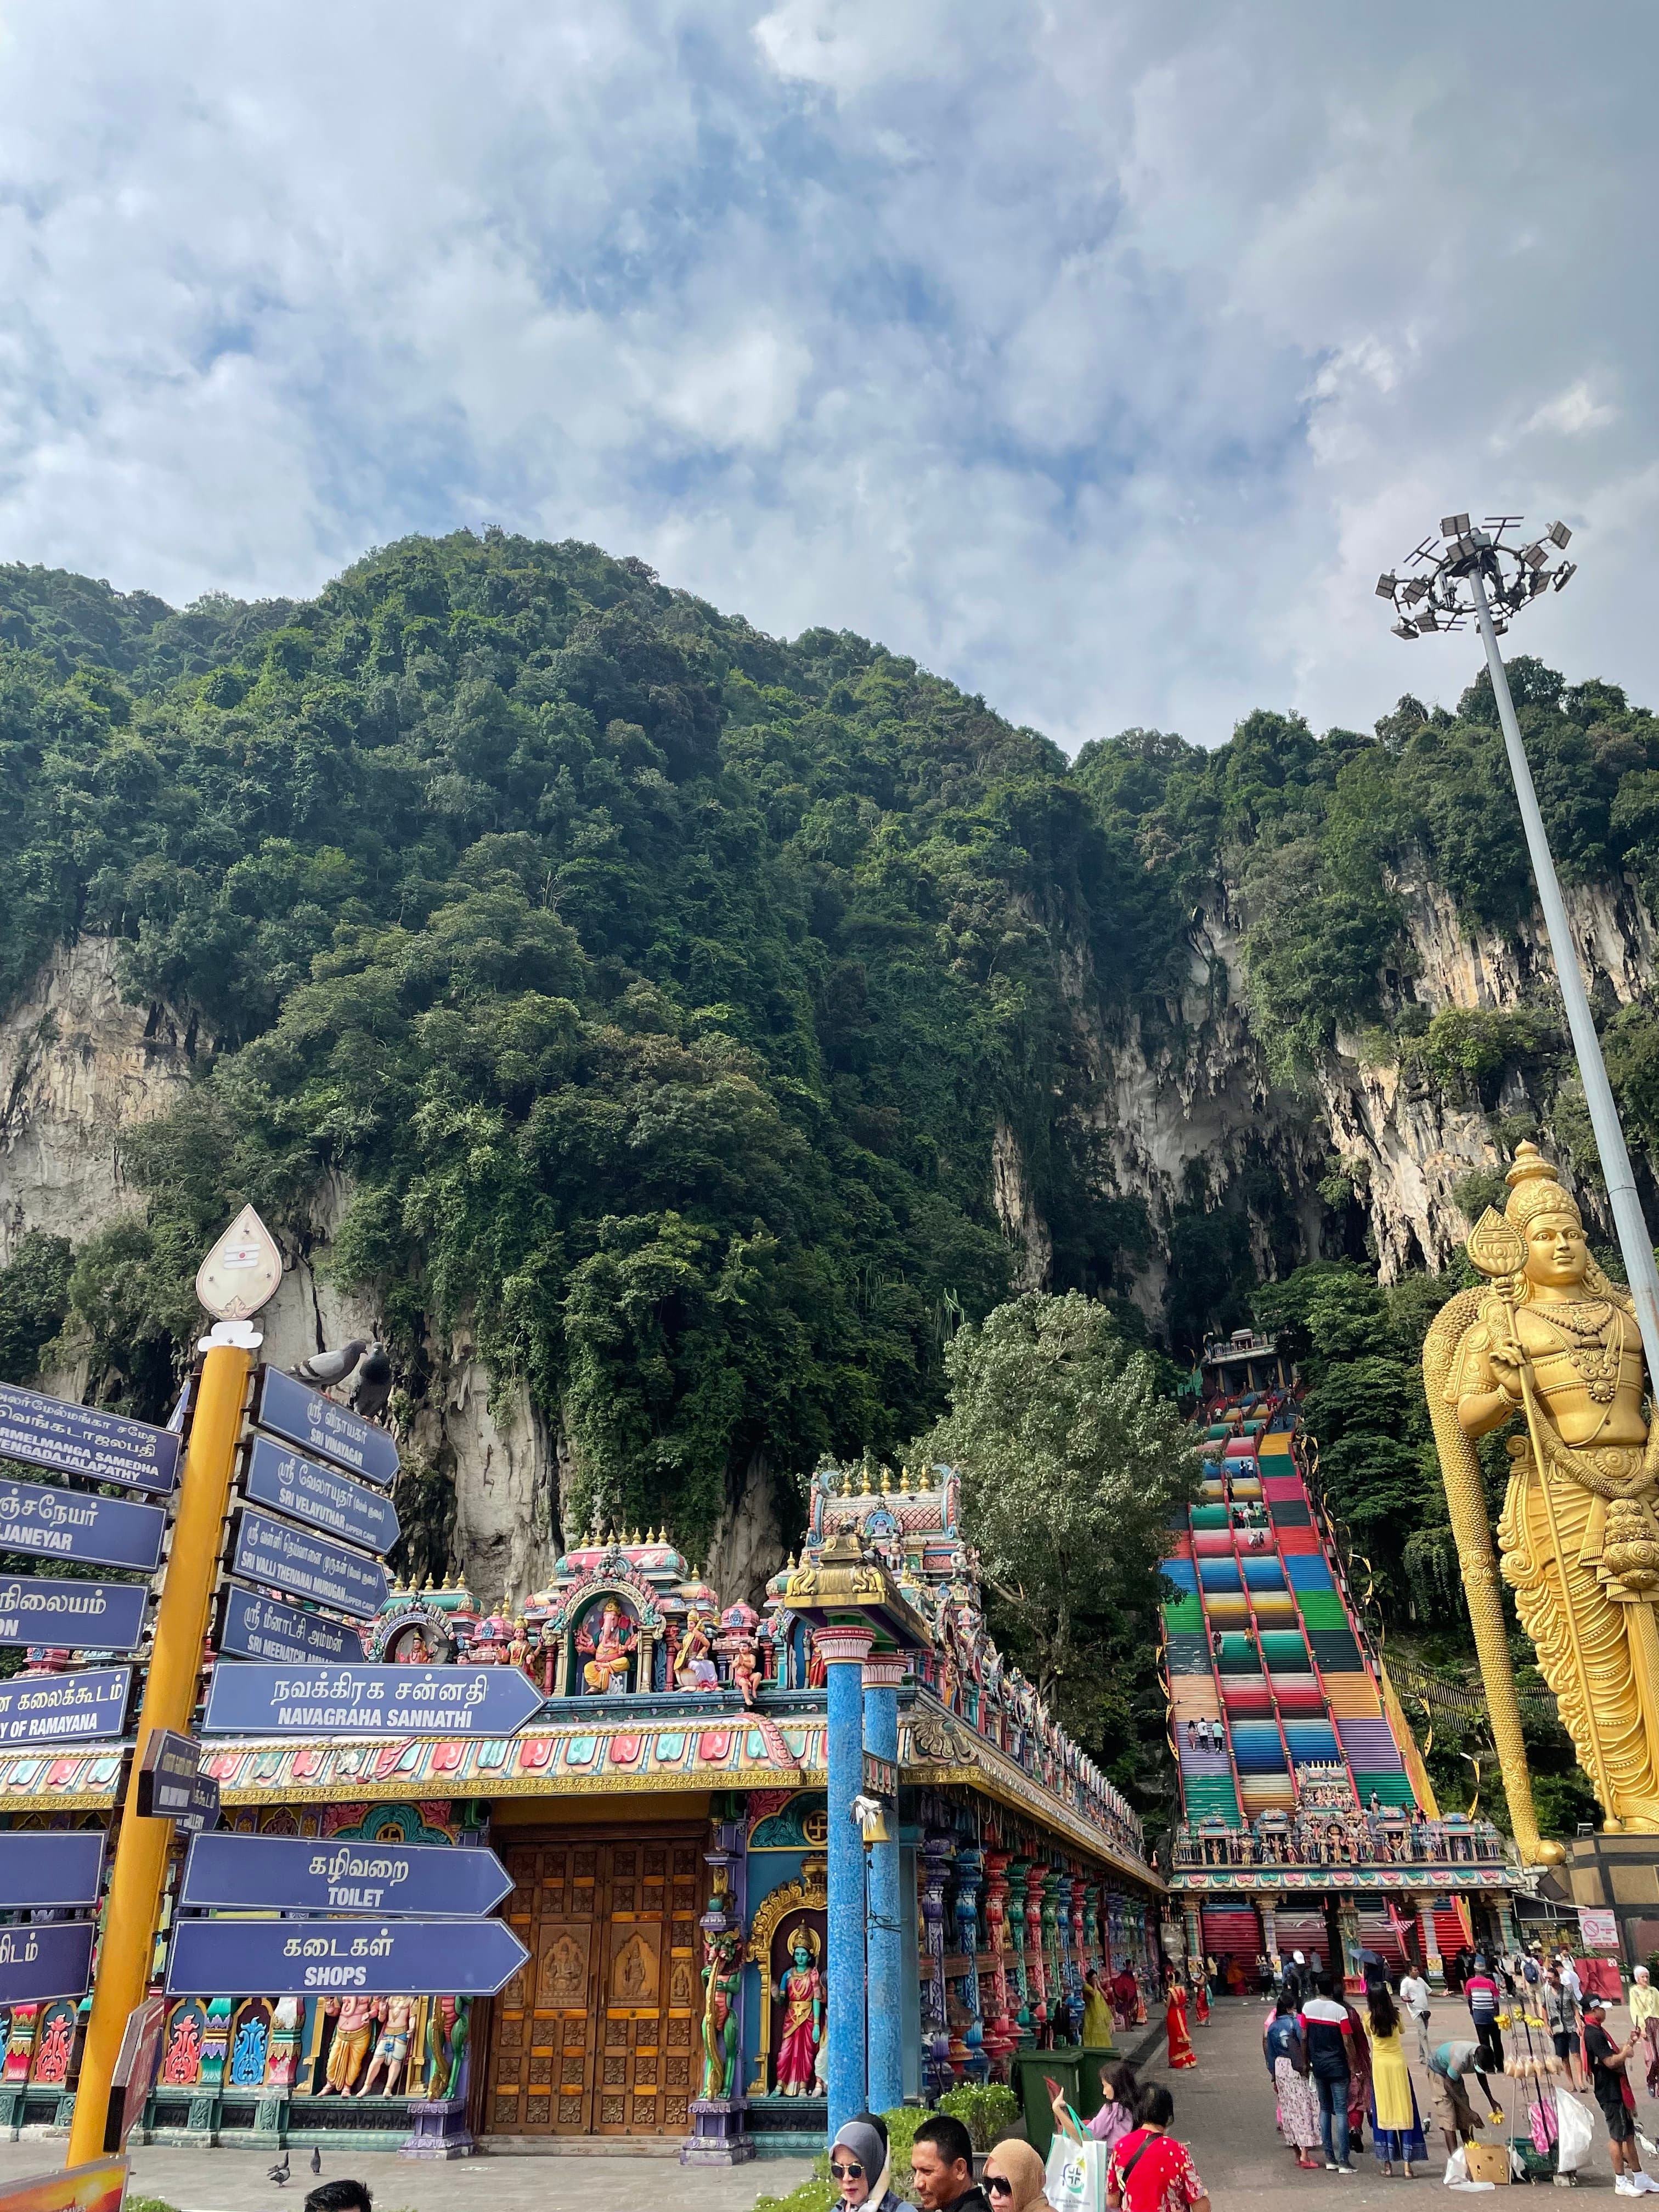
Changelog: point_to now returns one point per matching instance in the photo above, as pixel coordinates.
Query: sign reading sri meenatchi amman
(253, 1627)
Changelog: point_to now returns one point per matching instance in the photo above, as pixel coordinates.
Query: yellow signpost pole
(181, 1621)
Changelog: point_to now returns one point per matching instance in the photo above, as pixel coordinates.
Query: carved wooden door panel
(651, 1990)
(542, 2056)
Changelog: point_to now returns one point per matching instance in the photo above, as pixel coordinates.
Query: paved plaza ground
(1224, 2112)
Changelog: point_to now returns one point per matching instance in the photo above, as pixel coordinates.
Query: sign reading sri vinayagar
(1551, 1348)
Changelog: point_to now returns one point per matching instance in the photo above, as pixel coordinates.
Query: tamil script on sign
(252, 1701)
(42, 1708)
(306, 1417)
(290, 1482)
(263, 1628)
(293, 1875)
(78, 1616)
(309, 1566)
(83, 1440)
(103, 1532)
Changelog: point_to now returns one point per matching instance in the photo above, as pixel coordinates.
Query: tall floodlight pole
(1465, 577)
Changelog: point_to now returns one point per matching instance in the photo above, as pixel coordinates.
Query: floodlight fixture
(1480, 576)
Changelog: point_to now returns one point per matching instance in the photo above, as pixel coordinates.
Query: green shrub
(987, 2112)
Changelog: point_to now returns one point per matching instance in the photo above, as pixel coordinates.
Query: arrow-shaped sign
(83, 1440)
(58, 1708)
(55, 1868)
(70, 1524)
(366, 1958)
(320, 1495)
(253, 1627)
(385, 1700)
(304, 1565)
(310, 1875)
(74, 1615)
(38, 1962)
(316, 1424)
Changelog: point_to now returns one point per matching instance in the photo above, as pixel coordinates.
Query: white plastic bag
(1075, 2179)
(1577, 2129)
(1456, 2176)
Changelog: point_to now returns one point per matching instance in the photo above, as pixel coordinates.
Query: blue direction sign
(55, 1960)
(379, 1957)
(308, 1876)
(316, 1425)
(81, 1440)
(386, 1700)
(304, 1565)
(283, 1479)
(253, 1627)
(59, 1867)
(103, 1532)
(74, 1616)
(55, 1708)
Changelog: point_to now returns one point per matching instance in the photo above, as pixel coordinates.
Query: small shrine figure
(722, 1971)
(392, 2049)
(745, 1670)
(352, 2033)
(607, 1669)
(693, 1663)
(801, 1993)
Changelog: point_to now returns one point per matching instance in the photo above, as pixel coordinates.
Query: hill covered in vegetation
(705, 1023)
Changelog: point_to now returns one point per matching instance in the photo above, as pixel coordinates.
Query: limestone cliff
(1177, 1102)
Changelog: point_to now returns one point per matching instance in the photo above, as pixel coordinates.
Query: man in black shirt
(1608, 2078)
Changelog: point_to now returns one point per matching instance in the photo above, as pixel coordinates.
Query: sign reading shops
(371, 1958)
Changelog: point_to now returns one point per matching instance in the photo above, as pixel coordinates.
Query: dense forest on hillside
(659, 989)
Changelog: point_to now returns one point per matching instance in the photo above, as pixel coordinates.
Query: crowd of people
(1337, 2069)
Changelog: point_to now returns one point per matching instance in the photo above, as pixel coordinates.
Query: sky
(1098, 354)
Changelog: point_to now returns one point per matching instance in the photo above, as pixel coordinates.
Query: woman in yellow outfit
(1396, 2130)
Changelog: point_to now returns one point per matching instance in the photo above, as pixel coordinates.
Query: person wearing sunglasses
(1013, 2178)
(859, 2165)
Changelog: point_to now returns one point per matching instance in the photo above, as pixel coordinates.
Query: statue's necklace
(1599, 1348)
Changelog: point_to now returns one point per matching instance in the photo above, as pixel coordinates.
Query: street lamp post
(1463, 579)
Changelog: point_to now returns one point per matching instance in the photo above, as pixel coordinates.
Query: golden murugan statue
(1554, 1339)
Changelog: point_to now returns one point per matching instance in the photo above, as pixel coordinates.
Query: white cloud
(1099, 358)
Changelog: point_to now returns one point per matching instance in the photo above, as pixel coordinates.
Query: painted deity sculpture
(1554, 1341)
(801, 1993)
(694, 1662)
(607, 1669)
(391, 2046)
(722, 1974)
(353, 2032)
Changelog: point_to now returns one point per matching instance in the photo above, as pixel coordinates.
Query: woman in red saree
(1202, 1996)
(1174, 2022)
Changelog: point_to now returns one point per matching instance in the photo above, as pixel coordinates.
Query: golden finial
(886, 1481)
(635, 1537)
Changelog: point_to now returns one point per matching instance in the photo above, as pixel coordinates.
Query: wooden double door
(596, 2034)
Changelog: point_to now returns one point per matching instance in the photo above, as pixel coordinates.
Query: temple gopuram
(1309, 1820)
(689, 1886)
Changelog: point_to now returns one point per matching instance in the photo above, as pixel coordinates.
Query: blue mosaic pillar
(882, 1677)
(844, 1651)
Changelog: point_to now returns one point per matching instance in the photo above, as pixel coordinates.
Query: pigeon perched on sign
(372, 1386)
(325, 1369)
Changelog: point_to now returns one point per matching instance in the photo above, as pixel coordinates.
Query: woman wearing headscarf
(1013, 2180)
(1286, 2056)
(859, 2165)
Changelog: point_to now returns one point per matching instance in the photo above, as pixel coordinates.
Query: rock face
(1177, 1106)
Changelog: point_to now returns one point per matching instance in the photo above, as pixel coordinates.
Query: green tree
(1072, 1456)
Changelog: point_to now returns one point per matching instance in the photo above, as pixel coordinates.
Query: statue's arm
(1485, 1385)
